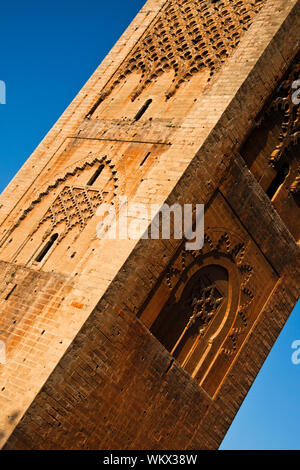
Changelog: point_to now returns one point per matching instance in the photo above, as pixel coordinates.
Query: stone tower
(196, 103)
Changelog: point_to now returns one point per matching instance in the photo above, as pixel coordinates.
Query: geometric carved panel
(72, 207)
(206, 306)
(187, 36)
(207, 301)
(68, 202)
(74, 171)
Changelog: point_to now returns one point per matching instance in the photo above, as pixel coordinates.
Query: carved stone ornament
(201, 306)
(74, 205)
(285, 103)
(186, 36)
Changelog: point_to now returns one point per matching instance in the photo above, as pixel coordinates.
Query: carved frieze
(186, 37)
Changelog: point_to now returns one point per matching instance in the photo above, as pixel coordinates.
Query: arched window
(184, 324)
(47, 248)
(278, 180)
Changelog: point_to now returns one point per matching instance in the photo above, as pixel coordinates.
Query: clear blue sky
(48, 51)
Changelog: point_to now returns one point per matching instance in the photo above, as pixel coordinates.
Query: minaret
(124, 343)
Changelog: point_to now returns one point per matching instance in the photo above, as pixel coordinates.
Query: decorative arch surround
(201, 306)
(70, 208)
(186, 37)
(77, 168)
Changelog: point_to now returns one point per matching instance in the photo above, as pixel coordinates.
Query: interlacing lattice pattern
(187, 36)
(80, 204)
(204, 307)
(207, 303)
(73, 207)
(75, 170)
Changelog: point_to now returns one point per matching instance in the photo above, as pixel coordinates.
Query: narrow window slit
(143, 161)
(95, 176)
(143, 110)
(278, 180)
(94, 107)
(46, 248)
(169, 366)
(10, 292)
